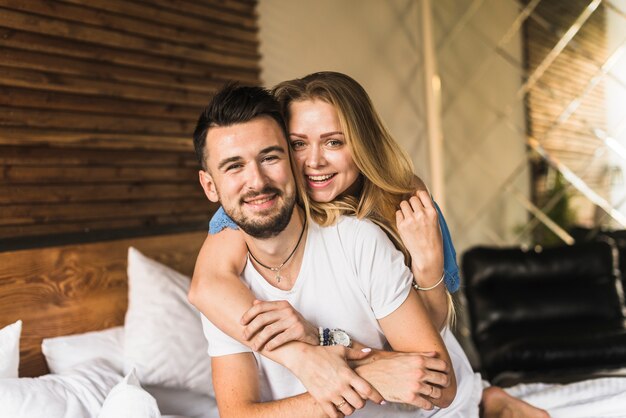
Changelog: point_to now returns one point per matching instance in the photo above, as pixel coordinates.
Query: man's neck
(272, 252)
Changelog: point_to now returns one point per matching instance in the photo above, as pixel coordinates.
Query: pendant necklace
(276, 269)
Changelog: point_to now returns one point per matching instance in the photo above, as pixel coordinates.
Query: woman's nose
(315, 158)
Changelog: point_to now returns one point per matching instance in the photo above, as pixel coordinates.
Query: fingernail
(383, 403)
(366, 350)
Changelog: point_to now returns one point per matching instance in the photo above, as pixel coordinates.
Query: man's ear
(208, 185)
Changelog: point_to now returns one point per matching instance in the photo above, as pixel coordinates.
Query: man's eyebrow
(273, 148)
(227, 161)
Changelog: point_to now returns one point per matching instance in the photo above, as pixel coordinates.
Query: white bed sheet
(594, 398)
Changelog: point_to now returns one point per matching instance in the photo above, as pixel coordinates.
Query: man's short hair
(235, 104)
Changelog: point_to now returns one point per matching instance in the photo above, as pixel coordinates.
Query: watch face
(341, 337)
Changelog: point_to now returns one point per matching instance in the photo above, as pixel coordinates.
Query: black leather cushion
(544, 310)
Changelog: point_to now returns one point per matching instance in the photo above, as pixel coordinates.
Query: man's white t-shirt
(351, 276)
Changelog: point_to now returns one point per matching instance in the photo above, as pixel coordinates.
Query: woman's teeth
(320, 178)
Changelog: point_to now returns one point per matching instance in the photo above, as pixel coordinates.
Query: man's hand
(272, 324)
(325, 373)
(410, 378)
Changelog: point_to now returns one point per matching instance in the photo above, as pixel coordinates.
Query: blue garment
(221, 220)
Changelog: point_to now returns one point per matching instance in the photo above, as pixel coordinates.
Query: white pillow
(10, 349)
(163, 339)
(64, 353)
(128, 400)
(76, 394)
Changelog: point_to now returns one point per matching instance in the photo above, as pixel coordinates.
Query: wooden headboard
(77, 288)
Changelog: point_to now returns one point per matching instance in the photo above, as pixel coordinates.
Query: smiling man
(348, 274)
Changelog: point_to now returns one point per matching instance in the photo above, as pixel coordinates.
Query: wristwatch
(340, 337)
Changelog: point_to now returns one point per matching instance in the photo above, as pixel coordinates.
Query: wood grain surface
(77, 288)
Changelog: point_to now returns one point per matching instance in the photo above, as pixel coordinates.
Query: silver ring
(341, 404)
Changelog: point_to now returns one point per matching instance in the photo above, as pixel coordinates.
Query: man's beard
(265, 226)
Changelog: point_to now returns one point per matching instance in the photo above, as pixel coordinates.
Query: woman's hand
(411, 378)
(272, 324)
(418, 226)
(325, 373)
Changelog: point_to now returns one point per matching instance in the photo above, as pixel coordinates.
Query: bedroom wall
(98, 101)
(380, 45)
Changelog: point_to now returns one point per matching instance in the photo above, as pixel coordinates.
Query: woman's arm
(217, 291)
(418, 226)
(412, 378)
(409, 329)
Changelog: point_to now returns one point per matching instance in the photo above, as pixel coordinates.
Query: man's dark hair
(235, 104)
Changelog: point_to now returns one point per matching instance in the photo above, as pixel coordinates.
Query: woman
(351, 166)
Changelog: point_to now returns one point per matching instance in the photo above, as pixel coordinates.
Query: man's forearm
(301, 406)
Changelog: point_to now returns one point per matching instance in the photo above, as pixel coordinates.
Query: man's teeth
(260, 201)
(321, 178)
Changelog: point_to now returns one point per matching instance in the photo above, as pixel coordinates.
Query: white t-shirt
(351, 276)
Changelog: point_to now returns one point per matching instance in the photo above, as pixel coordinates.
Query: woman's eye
(297, 144)
(334, 142)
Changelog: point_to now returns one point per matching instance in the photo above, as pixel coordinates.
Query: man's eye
(270, 158)
(233, 167)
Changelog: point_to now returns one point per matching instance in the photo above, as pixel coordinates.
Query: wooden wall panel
(98, 102)
(77, 288)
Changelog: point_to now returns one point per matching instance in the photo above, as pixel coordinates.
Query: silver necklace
(276, 269)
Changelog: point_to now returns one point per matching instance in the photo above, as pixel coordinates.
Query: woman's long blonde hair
(386, 170)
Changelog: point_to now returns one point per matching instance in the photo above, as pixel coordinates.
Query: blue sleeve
(450, 267)
(220, 221)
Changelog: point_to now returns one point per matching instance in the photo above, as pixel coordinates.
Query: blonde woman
(350, 165)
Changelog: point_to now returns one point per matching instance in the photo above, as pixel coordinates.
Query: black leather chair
(547, 314)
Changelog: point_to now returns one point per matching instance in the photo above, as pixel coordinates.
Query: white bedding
(595, 398)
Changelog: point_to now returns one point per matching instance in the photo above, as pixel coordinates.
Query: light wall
(379, 43)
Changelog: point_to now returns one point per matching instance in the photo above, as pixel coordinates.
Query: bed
(83, 290)
(153, 360)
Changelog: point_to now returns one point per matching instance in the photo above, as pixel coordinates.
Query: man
(328, 274)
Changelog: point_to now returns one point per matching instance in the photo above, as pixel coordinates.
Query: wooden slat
(208, 10)
(37, 99)
(49, 213)
(73, 289)
(137, 59)
(12, 155)
(51, 119)
(245, 7)
(199, 221)
(87, 174)
(54, 82)
(96, 140)
(35, 193)
(50, 63)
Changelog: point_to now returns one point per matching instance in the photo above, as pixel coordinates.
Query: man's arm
(236, 383)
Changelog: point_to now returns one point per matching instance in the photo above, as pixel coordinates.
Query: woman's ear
(208, 185)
